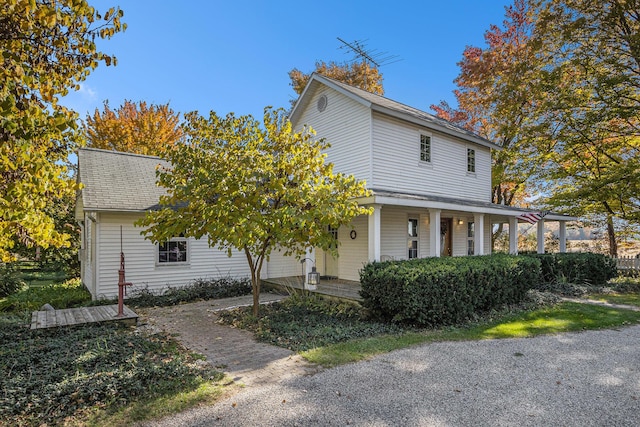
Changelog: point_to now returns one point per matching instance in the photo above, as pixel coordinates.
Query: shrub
(200, 289)
(441, 291)
(10, 281)
(576, 268)
(71, 293)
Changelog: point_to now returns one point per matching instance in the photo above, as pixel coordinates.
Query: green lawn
(625, 299)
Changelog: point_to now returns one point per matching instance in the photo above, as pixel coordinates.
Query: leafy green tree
(592, 106)
(48, 48)
(134, 128)
(359, 74)
(252, 187)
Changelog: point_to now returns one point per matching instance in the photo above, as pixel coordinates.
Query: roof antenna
(358, 48)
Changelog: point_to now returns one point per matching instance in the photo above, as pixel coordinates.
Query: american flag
(533, 217)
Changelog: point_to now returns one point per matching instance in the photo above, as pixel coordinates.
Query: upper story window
(412, 241)
(471, 160)
(425, 148)
(173, 251)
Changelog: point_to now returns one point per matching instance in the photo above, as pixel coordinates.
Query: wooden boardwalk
(81, 315)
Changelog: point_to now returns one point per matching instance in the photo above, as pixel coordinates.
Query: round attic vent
(322, 103)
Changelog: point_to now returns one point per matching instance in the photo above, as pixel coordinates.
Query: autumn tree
(494, 101)
(252, 187)
(134, 128)
(592, 108)
(47, 49)
(360, 74)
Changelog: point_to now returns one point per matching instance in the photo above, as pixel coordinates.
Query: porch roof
(385, 197)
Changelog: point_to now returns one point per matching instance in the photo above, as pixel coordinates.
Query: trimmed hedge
(577, 268)
(443, 291)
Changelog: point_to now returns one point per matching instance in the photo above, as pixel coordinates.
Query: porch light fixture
(460, 221)
(313, 278)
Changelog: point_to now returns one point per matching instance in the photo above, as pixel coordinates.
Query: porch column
(478, 235)
(434, 232)
(374, 234)
(513, 235)
(562, 234)
(540, 235)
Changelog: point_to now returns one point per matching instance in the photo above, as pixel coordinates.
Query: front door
(445, 236)
(331, 262)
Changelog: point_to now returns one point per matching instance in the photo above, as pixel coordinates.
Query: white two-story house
(430, 183)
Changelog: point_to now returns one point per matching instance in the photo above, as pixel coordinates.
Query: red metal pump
(121, 281)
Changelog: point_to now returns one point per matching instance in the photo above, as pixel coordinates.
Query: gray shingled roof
(402, 111)
(118, 181)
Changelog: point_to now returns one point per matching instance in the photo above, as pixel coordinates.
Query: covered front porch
(441, 226)
(404, 226)
(337, 288)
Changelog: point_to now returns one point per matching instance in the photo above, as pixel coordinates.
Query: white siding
(346, 125)
(394, 232)
(354, 253)
(396, 164)
(140, 259)
(283, 266)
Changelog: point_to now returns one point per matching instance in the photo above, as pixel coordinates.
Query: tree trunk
(611, 233)
(255, 284)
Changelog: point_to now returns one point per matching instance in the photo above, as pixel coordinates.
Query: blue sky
(234, 56)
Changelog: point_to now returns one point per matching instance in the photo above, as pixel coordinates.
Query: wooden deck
(81, 315)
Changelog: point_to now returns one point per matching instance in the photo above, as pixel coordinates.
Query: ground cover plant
(305, 321)
(74, 375)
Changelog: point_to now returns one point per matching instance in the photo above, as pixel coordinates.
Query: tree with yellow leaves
(134, 128)
(46, 49)
(360, 74)
(253, 187)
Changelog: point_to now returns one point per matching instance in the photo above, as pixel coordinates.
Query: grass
(624, 299)
(36, 278)
(70, 293)
(565, 317)
(205, 393)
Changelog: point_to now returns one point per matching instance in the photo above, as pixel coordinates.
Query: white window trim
(425, 163)
(475, 161)
(413, 238)
(175, 263)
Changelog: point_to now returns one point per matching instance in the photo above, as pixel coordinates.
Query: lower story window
(412, 241)
(172, 251)
(470, 238)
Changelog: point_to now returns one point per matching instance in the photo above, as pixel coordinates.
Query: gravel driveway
(575, 379)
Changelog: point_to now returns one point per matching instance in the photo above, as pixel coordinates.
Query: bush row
(199, 289)
(576, 268)
(443, 291)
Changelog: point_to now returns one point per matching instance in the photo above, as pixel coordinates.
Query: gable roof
(117, 181)
(388, 107)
